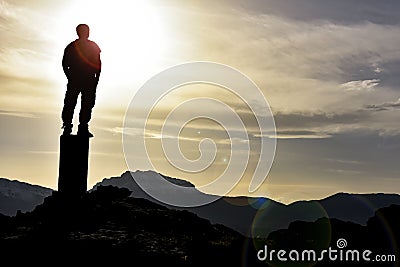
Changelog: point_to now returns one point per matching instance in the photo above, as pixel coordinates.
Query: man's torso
(83, 58)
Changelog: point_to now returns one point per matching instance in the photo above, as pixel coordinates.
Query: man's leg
(88, 99)
(70, 100)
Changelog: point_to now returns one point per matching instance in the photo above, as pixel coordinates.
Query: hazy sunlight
(132, 38)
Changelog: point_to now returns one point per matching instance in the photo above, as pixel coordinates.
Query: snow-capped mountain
(15, 195)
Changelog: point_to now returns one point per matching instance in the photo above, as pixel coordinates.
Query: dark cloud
(357, 68)
(310, 120)
(385, 106)
(390, 74)
(356, 152)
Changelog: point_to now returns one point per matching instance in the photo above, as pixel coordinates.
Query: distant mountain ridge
(16, 195)
(252, 216)
(247, 215)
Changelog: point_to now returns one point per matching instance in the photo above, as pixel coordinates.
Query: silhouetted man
(82, 66)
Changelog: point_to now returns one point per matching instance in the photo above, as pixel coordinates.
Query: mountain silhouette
(249, 216)
(16, 195)
(107, 224)
(239, 213)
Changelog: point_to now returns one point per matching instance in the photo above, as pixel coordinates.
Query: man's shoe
(85, 134)
(84, 131)
(67, 129)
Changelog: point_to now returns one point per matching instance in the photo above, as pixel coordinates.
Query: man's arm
(98, 70)
(66, 63)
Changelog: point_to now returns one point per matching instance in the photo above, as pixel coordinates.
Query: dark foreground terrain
(109, 227)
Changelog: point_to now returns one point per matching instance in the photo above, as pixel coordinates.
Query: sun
(131, 35)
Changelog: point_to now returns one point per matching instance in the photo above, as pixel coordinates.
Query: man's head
(83, 31)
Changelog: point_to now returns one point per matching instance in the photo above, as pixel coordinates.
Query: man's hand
(95, 81)
(96, 78)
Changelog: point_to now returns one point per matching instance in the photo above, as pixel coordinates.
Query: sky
(330, 71)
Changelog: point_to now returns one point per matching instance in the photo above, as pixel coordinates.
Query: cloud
(302, 135)
(7, 13)
(368, 85)
(318, 118)
(300, 64)
(338, 11)
(341, 171)
(26, 58)
(346, 162)
(326, 125)
(17, 114)
(385, 106)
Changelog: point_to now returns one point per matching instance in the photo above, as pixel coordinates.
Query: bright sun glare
(131, 35)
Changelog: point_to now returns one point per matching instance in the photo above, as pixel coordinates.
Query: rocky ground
(107, 225)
